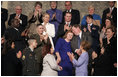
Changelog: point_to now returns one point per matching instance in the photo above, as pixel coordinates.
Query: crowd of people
(55, 44)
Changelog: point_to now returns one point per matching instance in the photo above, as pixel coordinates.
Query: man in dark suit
(93, 30)
(65, 26)
(21, 17)
(13, 33)
(4, 16)
(110, 12)
(75, 13)
(79, 36)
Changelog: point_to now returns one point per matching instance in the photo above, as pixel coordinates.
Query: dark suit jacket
(75, 16)
(14, 35)
(114, 15)
(95, 36)
(22, 17)
(61, 32)
(4, 16)
(74, 42)
(29, 63)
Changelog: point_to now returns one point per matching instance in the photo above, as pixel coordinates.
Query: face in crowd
(18, 10)
(76, 30)
(107, 23)
(46, 18)
(91, 10)
(68, 17)
(40, 29)
(109, 33)
(89, 20)
(38, 7)
(111, 3)
(68, 5)
(53, 5)
(69, 36)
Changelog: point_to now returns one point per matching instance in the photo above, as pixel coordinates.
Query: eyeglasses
(18, 9)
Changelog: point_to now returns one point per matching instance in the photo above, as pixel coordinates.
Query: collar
(69, 10)
(18, 15)
(68, 23)
(90, 24)
(31, 49)
(111, 8)
(80, 34)
(16, 29)
(46, 24)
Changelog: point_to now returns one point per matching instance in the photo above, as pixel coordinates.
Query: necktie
(79, 40)
(89, 28)
(110, 10)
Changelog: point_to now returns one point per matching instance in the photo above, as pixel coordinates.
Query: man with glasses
(75, 13)
(21, 17)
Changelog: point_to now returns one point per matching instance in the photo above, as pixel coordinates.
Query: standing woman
(49, 28)
(35, 18)
(50, 66)
(62, 47)
(10, 60)
(106, 63)
(55, 16)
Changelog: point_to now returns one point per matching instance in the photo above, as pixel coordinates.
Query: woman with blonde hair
(49, 28)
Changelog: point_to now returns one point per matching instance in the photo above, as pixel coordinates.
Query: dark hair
(111, 20)
(68, 13)
(53, 1)
(77, 26)
(113, 29)
(90, 16)
(7, 46)
(46, 49)
(38, 3)
(86, 45)
(68, 1)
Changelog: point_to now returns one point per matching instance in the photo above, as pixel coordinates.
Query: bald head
(18, 10)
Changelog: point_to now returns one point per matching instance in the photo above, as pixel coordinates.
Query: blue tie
(79, 40)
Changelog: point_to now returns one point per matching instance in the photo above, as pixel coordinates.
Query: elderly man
(96, 17)
(75, 13)
(21, 17)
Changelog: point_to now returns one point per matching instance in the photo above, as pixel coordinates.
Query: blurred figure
(110, 12)
(65, 26)
(41, 41)
(50, 66)
(21, 17)
(75, 13)
(105, 62)
(10, 59)
(35, 18)
(62, 47)
(29, 60)
(96, 18)
(81, 64)
(55, 17)
(13, 33)
(4, 16)
(108, 23)
(49, 29)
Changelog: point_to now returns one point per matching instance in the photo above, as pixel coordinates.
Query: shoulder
(50, 24)
(48, 10)
(96, 15)
(23, 15)
(4, 10)
(59, 10)
(74, 10)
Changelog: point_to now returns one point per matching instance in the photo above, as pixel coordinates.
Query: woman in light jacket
(49, 29)
(50, 66)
